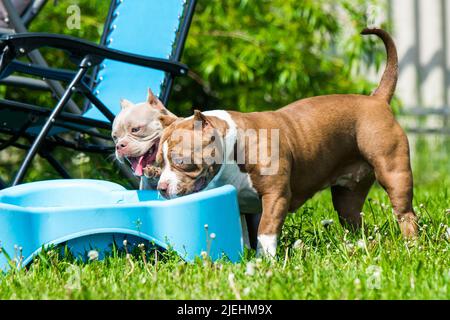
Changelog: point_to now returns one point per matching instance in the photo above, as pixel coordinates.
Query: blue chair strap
(150, 28)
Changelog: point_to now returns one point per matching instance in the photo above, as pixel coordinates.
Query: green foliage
(260, 55)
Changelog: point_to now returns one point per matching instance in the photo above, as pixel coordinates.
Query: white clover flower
(204, 254)
(327, 222)
(250, 269)
(246, 291)
(233, 286)
(412, 282)
(361, 244)
(218, 265)
(298, 244)
(374, 270)
(374, 277)
(80, 159)
(212, 236)
(92, 255)
(74, 278)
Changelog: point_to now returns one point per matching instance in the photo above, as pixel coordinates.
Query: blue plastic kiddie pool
(92, 214)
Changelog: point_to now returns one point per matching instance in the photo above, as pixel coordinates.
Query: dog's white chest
(249, 201)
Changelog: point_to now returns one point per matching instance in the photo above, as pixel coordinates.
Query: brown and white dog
(345, 142)
(136, 131)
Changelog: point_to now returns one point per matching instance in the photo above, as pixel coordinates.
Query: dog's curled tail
(389, 80)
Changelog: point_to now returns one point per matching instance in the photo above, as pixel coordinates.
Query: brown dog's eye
(183, 164)
(179, 161)
(134, 130)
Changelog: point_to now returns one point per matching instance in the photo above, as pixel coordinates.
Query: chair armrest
(22, 43)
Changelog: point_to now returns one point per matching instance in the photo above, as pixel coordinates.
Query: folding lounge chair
(26, 9)
(15, 17)
(140, 48)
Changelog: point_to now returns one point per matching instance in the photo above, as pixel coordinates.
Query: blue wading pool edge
(89, 214)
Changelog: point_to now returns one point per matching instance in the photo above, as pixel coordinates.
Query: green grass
(327, 262)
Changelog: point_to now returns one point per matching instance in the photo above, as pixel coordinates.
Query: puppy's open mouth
(139, 163)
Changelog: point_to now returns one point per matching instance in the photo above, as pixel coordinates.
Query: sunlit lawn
(317, 259)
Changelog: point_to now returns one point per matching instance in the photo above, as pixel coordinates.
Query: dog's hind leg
(389, 156)
(395, 176)
(349, 202)
(252, 221)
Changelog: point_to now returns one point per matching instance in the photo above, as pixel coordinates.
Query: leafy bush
(259, 55)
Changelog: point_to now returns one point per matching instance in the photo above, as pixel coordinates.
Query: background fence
(422, 34)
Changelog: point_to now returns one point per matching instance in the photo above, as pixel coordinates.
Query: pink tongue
(137, 166)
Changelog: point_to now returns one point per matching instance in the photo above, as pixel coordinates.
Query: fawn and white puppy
(344, 142)
(136, 131)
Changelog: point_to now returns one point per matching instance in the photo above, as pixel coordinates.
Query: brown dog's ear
(167, 120)
(200, 117)
(124, 103)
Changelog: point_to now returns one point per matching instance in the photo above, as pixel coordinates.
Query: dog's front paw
(152, 172)
(152, 175)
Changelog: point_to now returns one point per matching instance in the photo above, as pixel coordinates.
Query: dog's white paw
(267, 245)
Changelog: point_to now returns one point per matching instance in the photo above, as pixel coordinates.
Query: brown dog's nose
(162, 188)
